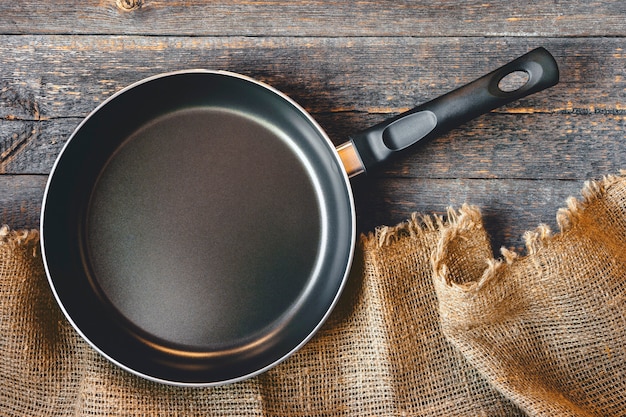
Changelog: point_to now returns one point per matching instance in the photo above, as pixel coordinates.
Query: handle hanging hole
(513, 81)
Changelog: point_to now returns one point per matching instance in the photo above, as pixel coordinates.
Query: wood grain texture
(365, 75)
(342, 84)
(316, 18)
(509, 207)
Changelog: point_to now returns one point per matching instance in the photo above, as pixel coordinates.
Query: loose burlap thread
(428, 325)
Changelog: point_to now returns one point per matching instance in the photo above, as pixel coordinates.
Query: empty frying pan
(198, 226)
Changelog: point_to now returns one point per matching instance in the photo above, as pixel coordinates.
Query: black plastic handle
(537, 71)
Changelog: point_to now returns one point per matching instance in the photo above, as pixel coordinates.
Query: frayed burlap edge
(468, 306)
(15, 238)
(472, 312)
(469, 217)
(412, 228)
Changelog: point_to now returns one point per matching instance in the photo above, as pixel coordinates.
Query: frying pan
(198, 226)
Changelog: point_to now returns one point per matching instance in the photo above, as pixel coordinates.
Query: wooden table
(350, 64)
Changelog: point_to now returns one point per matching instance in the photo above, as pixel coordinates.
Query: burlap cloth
(429, 324)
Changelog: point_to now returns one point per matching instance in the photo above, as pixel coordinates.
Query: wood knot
(129, 5)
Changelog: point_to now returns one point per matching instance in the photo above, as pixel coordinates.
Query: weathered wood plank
(509, 207)
(521, 146)
(30, 147)
(573, 131)
(370, 75)
(315, 18)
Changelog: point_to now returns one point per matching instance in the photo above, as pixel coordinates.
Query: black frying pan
(198, 226)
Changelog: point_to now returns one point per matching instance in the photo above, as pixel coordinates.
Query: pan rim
(341, 173)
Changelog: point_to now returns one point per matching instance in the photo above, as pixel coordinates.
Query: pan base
(203, 229)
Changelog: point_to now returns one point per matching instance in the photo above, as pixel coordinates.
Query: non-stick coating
(197, 228)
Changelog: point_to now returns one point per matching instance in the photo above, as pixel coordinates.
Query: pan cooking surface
(204, 228)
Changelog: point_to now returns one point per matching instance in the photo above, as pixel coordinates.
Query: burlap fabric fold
(547, 330)
(429, 324)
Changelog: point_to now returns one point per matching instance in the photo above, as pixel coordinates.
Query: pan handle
(528, 74)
